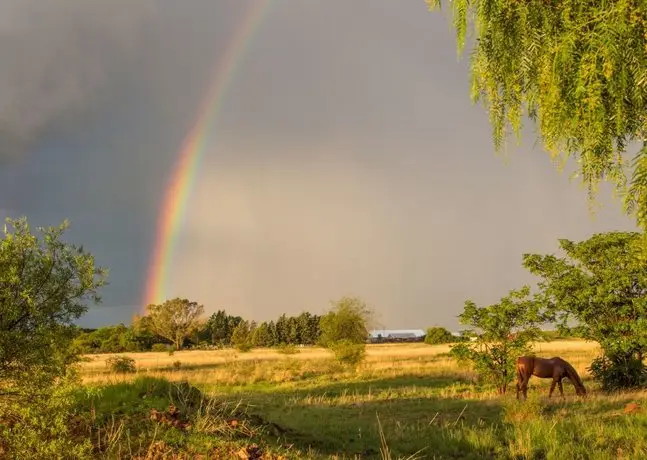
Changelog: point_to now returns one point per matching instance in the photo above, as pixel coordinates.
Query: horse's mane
(573, 376)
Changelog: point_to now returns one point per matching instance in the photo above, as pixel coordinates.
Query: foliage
(503, 332)
(601, 284)
(348, 352)
(576, 69)
(286, 349)
(618, 372)
(45, 284)
(349, 319)
(121, 364)
(221, 325)
(175, 319)
(159, 347)
(241, 338)
(41, 428)
(109, 339)
(438, 335)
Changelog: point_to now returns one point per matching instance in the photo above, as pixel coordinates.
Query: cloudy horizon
(347, 158)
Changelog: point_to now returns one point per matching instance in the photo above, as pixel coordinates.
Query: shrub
(177, 364)
(348, 352)
(438, 335)
(243, 347)
(615, 372)
(287, 349)
(159, 347)
(41, 427)
(506, 330)
(121, 364)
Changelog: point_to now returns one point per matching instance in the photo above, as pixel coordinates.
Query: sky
(347, 158)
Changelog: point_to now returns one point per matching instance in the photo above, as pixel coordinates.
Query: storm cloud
(347, 157)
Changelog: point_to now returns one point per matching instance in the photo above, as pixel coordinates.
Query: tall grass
(405, 401)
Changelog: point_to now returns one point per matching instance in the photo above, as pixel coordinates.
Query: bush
(287, 349)
(45, 426)
(347, 352)
(159, 347)
(122, 364)
(243, 347)
(177, 364)
(438, 335)
(617, 372)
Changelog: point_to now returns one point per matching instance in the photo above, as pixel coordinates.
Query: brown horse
(553, 368)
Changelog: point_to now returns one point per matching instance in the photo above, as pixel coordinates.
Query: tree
(437, 335)
(349, 319)
(503, 332)
(45, 284)
(241, 337)
(175, 319)
(261, 336)
(222, 326)
(601, 284)
(576, 69)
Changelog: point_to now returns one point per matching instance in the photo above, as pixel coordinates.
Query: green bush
(348, 352)
(42, 427)
(159, 347)
(122, 364)
(438, 335)
(616, 372)
(243, 347)
(287, 349)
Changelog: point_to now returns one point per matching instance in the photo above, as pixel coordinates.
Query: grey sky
(348, 158)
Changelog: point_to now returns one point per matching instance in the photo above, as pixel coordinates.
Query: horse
(555, 368)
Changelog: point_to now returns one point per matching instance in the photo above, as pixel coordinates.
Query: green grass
(404, 402)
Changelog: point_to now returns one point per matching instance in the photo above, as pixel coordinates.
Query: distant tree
(222, 327)
(109, 339)
(503, 332)
(273, 333)
(308, 326)
(45, 285)
(438, 335)
(349, 319)
(576, 69)
(282, 329)
(601, 285)
(175, 319)
(344, 329)
(293, 331)
(261, 336)
(241, 337)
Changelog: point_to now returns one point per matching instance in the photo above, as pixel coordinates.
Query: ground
(406, 400)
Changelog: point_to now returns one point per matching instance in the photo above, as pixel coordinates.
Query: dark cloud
(347, 158)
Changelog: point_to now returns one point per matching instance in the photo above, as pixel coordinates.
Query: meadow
(404, 401)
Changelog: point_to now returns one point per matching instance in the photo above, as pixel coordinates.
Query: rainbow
(184, 173)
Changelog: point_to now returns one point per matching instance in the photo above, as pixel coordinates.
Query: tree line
(157, 331)
(596, 290)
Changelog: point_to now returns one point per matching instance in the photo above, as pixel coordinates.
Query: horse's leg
(552, 387)
(561, 388)
(524, 386)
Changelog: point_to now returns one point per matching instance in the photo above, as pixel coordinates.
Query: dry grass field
(405, 401)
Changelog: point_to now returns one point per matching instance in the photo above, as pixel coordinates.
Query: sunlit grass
(425, 403)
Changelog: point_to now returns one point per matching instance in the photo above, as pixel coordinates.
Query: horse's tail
(574, 377)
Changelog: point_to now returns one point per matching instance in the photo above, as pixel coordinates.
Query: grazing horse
(553, 368)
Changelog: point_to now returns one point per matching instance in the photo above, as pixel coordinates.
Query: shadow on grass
(327, 420)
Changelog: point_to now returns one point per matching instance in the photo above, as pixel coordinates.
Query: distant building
(396, 335)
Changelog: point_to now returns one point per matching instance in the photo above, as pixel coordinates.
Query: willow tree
(577, 70)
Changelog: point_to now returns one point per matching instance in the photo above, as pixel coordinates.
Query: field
(405, 401)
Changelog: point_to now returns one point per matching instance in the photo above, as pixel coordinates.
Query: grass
(405, 401)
